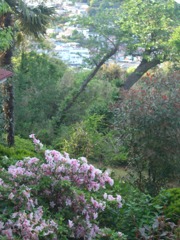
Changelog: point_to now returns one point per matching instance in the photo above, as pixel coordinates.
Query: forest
(90, 152)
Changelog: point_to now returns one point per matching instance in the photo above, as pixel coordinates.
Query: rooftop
(4, 74)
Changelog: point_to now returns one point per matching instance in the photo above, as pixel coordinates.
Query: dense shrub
(23, 148)
(92, 138)
(112, 72)
(148, 124)
(138, 209)
(170, 201)
(55, 198)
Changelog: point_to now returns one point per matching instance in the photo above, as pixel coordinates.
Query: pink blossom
(120, 234)
(8, 233)
(95, 215)
(75, 165)
(84, 168)
(33, 161)
(11, 196)
(68, 202)
(32, 136)
(1, 182)
(1, 225)
(14, 215)
(110, 181)
(52, 204)
(70, 223)
(14, 171)
(26, 192)
(19, 163)
(119, 199)
(110, 198)
(30, 220)
(36, 141)
(94, 231)
(105, 195)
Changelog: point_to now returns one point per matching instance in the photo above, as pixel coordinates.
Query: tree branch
(143, 67)
(85, 83)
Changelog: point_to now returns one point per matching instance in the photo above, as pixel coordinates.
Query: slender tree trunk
(8, 90)
(130, 81)
(9, 112)
(85, 83)
(143, 67)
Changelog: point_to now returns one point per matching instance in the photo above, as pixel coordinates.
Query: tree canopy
(143, 27)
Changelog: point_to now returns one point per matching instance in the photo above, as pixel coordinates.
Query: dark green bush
(170, 201)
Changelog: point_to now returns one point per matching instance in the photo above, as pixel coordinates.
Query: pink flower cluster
(37, 142)
(27, 223)
(69, 181)
(77, 171)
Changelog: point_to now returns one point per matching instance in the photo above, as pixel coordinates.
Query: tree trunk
(9, 112)
(143, 67)
(8, 89)
(85, 83)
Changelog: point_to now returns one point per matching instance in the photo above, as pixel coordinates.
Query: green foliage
(149, 25)
(175, 39)
(82, 137)
(99, 92)
(148, 125)
(31, 20)
(23, 148)
(26, 19)
(92, 138)
(6, 38)
(138, 217)
(169, 200)
(5, 33)
(138, 209)
(42, 88)
(4, 8)
(37, 93)
(145, 27)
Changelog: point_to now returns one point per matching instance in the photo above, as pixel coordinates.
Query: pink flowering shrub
(55, 198)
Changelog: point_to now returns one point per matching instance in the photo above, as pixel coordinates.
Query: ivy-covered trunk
(8, 89)
(9, 112)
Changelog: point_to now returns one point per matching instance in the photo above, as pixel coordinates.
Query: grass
(117, 172)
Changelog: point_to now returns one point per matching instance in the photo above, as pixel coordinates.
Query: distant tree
(143, 28)
(149, 26)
